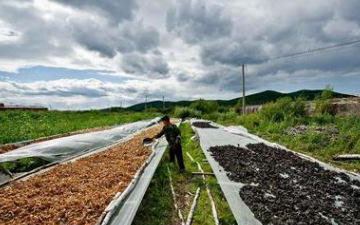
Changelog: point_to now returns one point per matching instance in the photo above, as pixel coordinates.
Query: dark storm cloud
(221, 78)
(233, 52)
(182, 77)
(153, 66)
(30, 26)
(350, 9)
(253, 41)
(115, 10)
(108, 41)
(63, 35)
(197, 21)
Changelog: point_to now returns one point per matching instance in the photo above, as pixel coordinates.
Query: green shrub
(185, 112)
(223, 109)
(152, 110)
(251, 121)
(282, 109)
(205, 106)
(322, 118)
(323, 102)
(357, 147)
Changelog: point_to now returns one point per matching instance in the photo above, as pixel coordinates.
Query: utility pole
(243, 82)
(145, 102)
(163, 103)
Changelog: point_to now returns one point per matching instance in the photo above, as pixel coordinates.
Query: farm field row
(76, 192)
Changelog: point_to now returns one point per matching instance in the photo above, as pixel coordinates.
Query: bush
(223, 109)
(323, 102)
(282, 109)
(323, 118)
(152, 110)
(205, 106)
(184, 112)
(238, 108)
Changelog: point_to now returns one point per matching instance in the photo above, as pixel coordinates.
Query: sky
(88, 54)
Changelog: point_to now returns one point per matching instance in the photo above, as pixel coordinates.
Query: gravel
(283, 188)
(203, 125)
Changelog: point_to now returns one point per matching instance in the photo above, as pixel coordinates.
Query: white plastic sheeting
(212, 137)
(68, 147)
(240, 137)
(126, 210)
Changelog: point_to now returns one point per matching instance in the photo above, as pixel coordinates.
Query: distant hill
(254, 99)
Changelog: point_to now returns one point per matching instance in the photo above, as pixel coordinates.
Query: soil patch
(76, 192)
(203, 125)
(283, 188)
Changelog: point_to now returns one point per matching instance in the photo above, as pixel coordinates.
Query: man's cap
(165, 118)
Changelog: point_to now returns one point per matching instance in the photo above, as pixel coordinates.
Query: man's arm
(161, 133)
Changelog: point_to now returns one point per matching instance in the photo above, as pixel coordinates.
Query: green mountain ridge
(253, 99)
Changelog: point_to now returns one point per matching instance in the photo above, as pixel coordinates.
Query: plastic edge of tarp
(124, 211)
(44, 168)
(67, 134)
(29, 151)
(244, 216)
(120, 197)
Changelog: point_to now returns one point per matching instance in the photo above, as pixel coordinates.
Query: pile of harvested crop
(203, 125)
(8, 147)
(76, 192)
(283, 188)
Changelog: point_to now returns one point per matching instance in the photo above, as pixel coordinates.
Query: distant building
(4, 107)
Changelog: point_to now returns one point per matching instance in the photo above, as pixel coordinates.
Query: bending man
(173, 137)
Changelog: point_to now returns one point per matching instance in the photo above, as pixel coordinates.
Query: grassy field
(157, 206)
(25, 125)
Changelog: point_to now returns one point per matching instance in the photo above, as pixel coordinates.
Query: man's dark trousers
(176, 150)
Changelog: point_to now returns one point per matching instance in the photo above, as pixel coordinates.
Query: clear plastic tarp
(71, 146)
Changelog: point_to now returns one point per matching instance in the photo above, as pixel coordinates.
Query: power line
(316, 50)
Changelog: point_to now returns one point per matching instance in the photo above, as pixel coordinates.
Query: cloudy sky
(78, 54)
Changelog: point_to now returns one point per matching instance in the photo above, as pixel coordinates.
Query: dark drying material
(203, 125)
(286, 189)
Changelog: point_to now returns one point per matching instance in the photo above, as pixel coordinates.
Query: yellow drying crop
(76, 192)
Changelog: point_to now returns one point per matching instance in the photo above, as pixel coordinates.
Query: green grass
(157, 205)
(25, 125)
